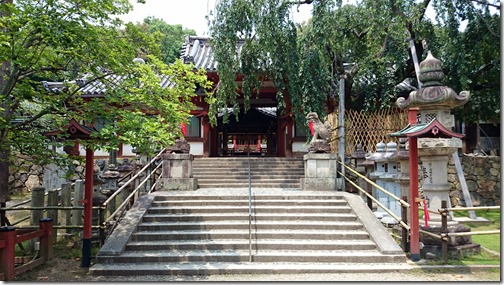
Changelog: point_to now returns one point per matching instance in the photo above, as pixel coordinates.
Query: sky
(189, 13)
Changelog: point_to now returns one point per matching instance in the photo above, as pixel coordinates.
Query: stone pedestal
(434, 154)
(319, 146)
(177, 172)
(320, 172)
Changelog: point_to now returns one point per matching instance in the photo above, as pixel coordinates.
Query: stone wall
(483, 177)
(24, 175)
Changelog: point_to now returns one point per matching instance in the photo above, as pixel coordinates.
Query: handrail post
(78, 196)
(3, 216)
(101, 223)
(444, 231)
(37, 200)
(249, 207)
(46, 241)
(404, 231)
(8, 234)
(65, 202)
(52, 201)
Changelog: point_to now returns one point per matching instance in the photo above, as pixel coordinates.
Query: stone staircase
(207, 232)
(232, 172)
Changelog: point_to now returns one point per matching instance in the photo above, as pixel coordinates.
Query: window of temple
(193, 127)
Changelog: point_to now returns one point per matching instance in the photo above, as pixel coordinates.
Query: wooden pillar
(413, 164)
(213, 141)
(46, 241)
(88, 209)
(289, 138)
(7, 253)
(206, 136)
(281, 138)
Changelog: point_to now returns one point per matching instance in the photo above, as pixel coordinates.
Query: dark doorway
(253, 133)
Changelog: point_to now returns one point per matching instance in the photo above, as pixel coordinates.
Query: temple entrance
(255, 134)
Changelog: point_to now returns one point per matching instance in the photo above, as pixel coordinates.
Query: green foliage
(169, 37)
(84, 44)
(370, 36)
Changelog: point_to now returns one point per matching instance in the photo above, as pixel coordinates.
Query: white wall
(127, 150)
(299, 147)
(196, 148)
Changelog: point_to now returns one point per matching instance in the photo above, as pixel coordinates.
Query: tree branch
(486, 3)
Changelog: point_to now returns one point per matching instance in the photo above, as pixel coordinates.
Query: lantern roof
(74, 130)
(433, 129)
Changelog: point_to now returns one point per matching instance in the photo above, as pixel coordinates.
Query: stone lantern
(434, 143)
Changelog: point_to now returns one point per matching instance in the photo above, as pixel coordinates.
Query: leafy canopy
(84, 44)
(169, 37)
(365, 43)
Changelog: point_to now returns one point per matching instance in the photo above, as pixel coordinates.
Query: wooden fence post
(404, 231)
(37, 200)
(78, 196)
(65, 202)
(52, 201)
(46, 241)
(8, 235)
(444, 231)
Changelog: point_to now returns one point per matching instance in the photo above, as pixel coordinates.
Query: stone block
(320, 184)
(179, 184)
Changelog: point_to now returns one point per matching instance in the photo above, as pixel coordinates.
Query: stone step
(244, 176)
(257, 245)
(245, 185)
(244, 234)
(244, 209)
(253, 183)
(242, 202)
(258, 225)
(231, 256)
(206, 268)
(243, 195)
(245, 159)
(186, 217)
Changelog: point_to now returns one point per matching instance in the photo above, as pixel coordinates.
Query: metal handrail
(249, 206)
(131, 179)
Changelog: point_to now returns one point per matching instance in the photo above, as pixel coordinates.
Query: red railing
(9, 237)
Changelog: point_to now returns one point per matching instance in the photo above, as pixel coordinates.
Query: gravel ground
(318, 277)
(66, 270)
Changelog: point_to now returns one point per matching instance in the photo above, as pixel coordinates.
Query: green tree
(169, 37)
(370, 36)
(62, 41)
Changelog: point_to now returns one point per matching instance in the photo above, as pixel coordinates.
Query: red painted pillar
(413, 164)
(8, 236)
(88, 209)
(206, 136)
(281, 137)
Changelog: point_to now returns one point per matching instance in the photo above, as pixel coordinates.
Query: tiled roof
(268, 111)
(96, 87)
(198, 50)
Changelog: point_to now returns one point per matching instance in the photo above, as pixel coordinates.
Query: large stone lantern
(436, 141)
(433, 140)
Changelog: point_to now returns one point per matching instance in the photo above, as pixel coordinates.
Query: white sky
(189, 13)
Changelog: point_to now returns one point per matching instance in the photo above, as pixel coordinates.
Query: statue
(321, 134)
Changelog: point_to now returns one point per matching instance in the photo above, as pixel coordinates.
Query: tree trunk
(4, 147)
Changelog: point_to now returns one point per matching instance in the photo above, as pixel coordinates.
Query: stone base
(452, 240)
(320, 184)
(454, 252)
(319, 146)
(179, 184)
(180, 146)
